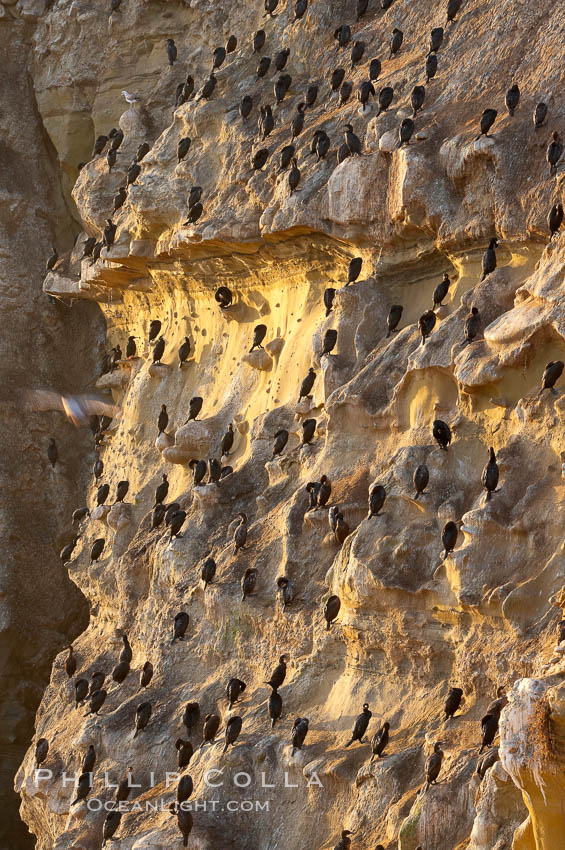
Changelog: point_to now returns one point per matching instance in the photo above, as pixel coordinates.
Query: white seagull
(131, 98)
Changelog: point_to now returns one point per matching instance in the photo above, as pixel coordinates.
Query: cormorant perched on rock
(194, 407)
(441, 290)
(211, 726)
(184, 822)
(142, 151)
(183, 147)
(131, 347)
(231, 44)
(433, 765)
(111, 821)
(266, 121)
(555, 219)
(98, 468)
(386, 4)
(233, 728)
(353, 142)
(337, 79)
(393, 318)
(162, 491)
(109, 233)
(159, 350)
(489, 258)
(287, 154)
(234, 689)
(361, 725)
(111, 157)
(220, 54)
(501, 701)
(489, 758)
(551, 375)
(330, 340)
(345, 841)
(300, 9)
(452, 702)
(472, 325)
(312, 489)
(377, 498)
(311, 95)
(84, 785)
(194, 213)
(396, 41)
(133, 173)
(281, 439)
(282, 86)
(386, 95)
(275, 705)
(208, 88)
(324, 491)
(159, 512)
(453, 7)
(270, 6)
(163, 419)
(88, 247)
(121, 490)
(214, 470)
(41, 751)
(442, 433)
(421, 479)
(180, 626)
(406, 131)
(299, 732)
(171, 51)
(332, 517)
(298, 120)
(185, 752)
(540, 114)
(97, 680)
(171, 509)
(379, 741)
(417, 99)
(374, 70)
(307, 384)
(99, 145)
(146, 675)
(142, 717)
(176, 523)
(258, 41)
(281, 59)
(487, 120)
(246, 106)
(240, 534)
(329, 295)
(426, 324)
(263, 66)
(277, 677)
(52, 453)
(126, 654)
(362, 6)
(341, 529)
(227, 440)
(80, 514)
(81, 691)
(120, 198)
(259, 334)
(190, 717)
(308, 431)
(154, 329)
(260, 158)
(199, 469)
(331, 610)
(224, 297)
(89, 760)
(121, 672)
(322, 145)
(366, 90)
(554, 152)
(208, 571)
(436, 39)
(345, 92)
(117, 137)
(449, 537)
(490, 475)
(286, 589)
(512, 99)
(70, 663)
(357, 52)
(489, 729)
(248, 582)
(355, 266)
(431, 66)
(96, 550)
(343, 35)
(97, 700)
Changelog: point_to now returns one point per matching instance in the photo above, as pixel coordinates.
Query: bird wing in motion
(77, 408)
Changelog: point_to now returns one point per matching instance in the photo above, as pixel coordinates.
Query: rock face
(412, 622)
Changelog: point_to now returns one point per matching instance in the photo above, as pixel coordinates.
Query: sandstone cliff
(411, 623)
